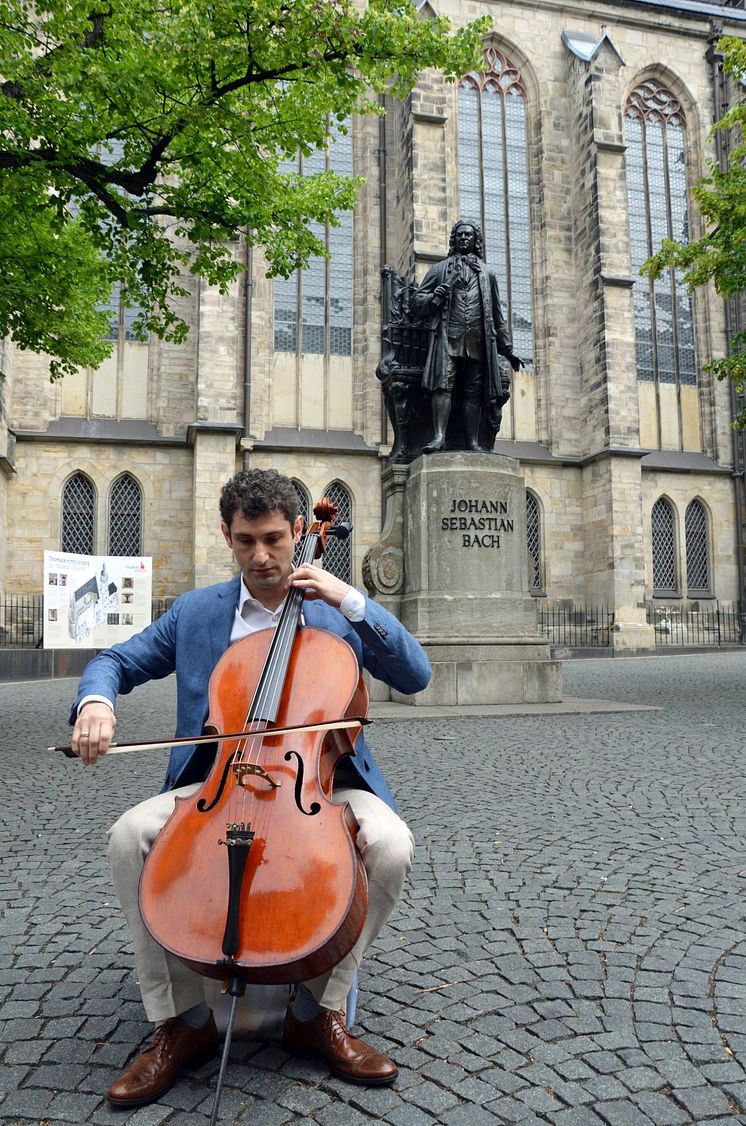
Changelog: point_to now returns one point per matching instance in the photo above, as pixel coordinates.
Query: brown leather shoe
(151, 1074)
(325, 1035)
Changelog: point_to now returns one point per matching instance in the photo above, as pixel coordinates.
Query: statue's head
(466, 238)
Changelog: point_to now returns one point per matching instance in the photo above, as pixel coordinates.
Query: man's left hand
(515, 362)
(317, 583)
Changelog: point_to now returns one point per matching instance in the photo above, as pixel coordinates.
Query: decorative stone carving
(383, 565)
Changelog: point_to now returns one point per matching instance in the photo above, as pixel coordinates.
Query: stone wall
(717, 495)
(34, 508)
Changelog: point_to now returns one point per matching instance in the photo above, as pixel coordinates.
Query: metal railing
(572, 626)
(576, 627)
(22, 620)
(698, 624)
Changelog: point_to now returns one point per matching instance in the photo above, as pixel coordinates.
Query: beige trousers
(167, 986)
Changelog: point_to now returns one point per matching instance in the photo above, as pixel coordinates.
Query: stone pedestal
(465, 583)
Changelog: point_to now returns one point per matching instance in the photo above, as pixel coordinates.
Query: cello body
(256, 874)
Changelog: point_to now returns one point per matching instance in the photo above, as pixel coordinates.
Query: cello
(255, 877)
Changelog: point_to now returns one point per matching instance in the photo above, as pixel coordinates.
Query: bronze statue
(459, 300)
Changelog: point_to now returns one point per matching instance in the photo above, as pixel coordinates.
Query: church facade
(575, 148)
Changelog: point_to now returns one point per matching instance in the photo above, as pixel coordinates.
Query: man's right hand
(440, 293)
(93, 732)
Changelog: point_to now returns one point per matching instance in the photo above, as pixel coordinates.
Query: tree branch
(91, 38)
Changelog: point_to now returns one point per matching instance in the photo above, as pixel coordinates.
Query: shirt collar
(245, 598)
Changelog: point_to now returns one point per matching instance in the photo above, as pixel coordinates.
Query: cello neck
(266, 701)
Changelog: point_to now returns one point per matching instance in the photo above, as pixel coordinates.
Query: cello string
(269, 693)
(270, 686)
(267, 696)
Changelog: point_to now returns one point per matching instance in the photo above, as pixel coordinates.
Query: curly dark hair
(255, 492)
(479, 247)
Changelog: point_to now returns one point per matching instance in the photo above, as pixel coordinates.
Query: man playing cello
(261, 525)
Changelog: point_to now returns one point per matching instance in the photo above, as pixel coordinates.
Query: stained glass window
(313, 307)
(493, 184)
(697, 548)
(664, 548)
(125, 517)
(656, 188)
(78, 515)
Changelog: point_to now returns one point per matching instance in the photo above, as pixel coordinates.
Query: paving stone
(472, 1116)
(640, 1078)
(150, 1116)
(577, 1116)
(539, 1099)
(604, 1062)
(376, 1102)
(475, 1090)
(72, 1107)
(338, 1114)
(660, 1109)
(27, 1102)
(606, 1087)
(410, 1116)
(622, 1114)
(523, 981)
(703, 1102)
(507, 1109)
(432, 1098)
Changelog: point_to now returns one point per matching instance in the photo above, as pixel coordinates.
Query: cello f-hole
(315, 806)
(202, 805)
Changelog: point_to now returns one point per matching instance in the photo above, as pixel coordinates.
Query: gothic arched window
(304, 507)
(533, 542)
(493, 184)
(654, 130)
(338, 553)
(78, 515)
(313, 307)
(697, 548)
(665, 571)
(125, 517)
(304, 503)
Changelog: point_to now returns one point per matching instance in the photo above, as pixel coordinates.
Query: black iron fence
(566, 625)
(22, 620)
(576, 627)
(686, 624)
(709, 623)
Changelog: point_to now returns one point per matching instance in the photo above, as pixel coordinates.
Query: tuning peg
(339, 531)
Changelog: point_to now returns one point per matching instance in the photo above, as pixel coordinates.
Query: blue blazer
(191, 638)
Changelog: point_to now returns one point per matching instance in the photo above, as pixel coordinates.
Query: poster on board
(93, 601)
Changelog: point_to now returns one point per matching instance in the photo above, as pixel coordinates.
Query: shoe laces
(161, 1036)
(337, 1027)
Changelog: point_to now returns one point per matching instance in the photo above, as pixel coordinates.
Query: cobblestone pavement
(570, 949)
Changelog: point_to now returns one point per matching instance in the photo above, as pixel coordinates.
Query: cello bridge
(242, 769)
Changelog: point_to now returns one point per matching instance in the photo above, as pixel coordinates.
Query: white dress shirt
(251, 615)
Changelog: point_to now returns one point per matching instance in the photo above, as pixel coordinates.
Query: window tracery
(494, 185)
